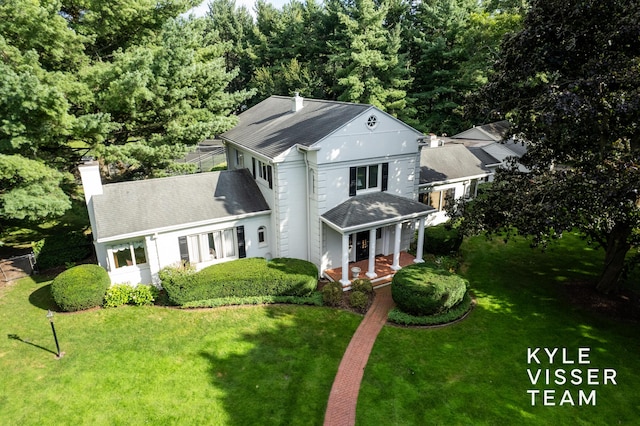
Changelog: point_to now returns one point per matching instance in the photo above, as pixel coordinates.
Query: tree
(568, 82)
(165, 97)
(366, 56)
(29, 190)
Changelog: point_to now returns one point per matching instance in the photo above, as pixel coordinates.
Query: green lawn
(475, 372)
(271, 365)
(135, 365)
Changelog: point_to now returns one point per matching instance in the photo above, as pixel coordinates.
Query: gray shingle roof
(141, 206)
(496, 131)
(448, 162)
(271, 128)
(377, 207)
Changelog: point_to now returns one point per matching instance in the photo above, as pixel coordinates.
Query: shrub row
(239, 279)
(314, 299)
(80, 287)
(457, 312)
(421, 289)
(125, 294)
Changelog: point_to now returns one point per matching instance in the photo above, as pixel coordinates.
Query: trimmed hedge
(80, 287)
(239, 279)
(421, 289)
(332, 294)
(442, 239)
(455, 313)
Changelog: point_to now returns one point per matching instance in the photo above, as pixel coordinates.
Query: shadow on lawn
(41, 298)
(19, 339)
(285, 374)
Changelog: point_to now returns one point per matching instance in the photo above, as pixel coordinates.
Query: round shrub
(359, 300)
(362, 285)
(442, 239)
(421, 289)
(80, 287)
(332, 294)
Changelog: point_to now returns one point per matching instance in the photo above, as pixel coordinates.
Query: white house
(341, 179)
(448, 171)
(325, 181)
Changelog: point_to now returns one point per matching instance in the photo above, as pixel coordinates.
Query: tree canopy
(568, 82)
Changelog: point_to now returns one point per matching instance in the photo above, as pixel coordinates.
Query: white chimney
(297, 103)
(434, 141)
(91, 182)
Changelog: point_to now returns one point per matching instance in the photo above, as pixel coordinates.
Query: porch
(383, 269)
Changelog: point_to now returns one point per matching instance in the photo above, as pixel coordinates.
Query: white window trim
(368, 189)
(131, 246)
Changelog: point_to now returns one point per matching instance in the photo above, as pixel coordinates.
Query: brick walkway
(341, 409)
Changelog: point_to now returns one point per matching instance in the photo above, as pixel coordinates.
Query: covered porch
(373, 232)
(383, 269)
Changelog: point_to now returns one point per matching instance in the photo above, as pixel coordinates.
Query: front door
(362, 245)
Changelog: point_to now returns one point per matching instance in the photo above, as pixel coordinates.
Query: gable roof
(449, 162)
(378, 208)
(271, 127)
(145, 206)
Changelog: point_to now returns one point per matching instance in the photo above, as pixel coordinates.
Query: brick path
(341, 409)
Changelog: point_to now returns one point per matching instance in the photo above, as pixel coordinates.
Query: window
(262, 236)
(370, 177)
(263, 171)
(214, 245)
(129, 254)
(438, 199)
(367, 177)
(372, 122)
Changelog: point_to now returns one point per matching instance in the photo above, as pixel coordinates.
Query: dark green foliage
(332, 294)
(568, 83)
(457, 312)
(60, 249)
(421, 289)
(81, 287)
(241, 278)
(442, 239)
(363, 285)
(359, 300)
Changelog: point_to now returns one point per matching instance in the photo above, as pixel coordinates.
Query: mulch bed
(623, 305)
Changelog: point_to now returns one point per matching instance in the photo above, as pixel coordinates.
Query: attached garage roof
(146, 206)
(377, 208)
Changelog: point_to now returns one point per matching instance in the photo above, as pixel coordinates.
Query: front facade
(324, 181)
(319, 162)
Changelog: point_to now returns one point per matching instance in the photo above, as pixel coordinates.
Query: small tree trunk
(617, 248)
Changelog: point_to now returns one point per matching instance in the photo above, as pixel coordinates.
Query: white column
(371, 273)
(396, 247)
(419, 258)
(345, 260)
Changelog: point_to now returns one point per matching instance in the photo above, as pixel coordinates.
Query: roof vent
(297, 103)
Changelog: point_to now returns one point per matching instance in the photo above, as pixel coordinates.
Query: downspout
(304, 152)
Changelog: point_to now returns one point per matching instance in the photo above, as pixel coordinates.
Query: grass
(474, 372)
(134, 365)
(273, 365)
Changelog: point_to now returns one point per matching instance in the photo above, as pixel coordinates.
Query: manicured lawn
(475, 372)
(128, 365)
(274, 365)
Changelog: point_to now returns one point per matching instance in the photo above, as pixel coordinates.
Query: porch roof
(374, 209)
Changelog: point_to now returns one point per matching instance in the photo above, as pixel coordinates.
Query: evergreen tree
(366, 56)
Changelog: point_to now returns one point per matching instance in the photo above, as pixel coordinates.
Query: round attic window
(372, 122)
